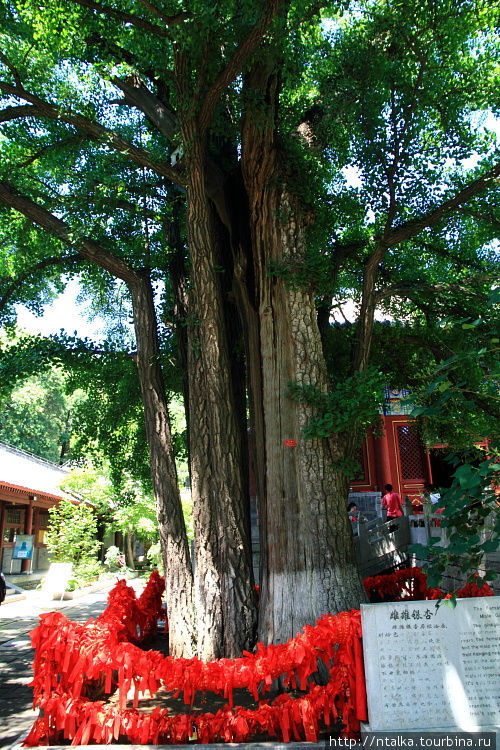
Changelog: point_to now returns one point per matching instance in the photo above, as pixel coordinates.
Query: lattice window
(14, 524)
(411, 453)
(13, 515)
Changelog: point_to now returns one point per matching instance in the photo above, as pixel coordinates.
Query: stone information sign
(430, 668)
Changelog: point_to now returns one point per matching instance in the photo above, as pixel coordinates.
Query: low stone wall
(454, 579)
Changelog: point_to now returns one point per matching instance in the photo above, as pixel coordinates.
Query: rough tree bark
(309, 564)
(225, 596)
(173, 539)
(224, 591)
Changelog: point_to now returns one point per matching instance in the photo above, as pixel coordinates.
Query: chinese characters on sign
(429, 668)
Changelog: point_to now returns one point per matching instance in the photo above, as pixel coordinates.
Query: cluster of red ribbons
(76, 665)
(411, 584)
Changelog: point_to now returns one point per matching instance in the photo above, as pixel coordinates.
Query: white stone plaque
(429, 667)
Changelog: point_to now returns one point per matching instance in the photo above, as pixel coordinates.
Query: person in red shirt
(352, 509)
(392, 501)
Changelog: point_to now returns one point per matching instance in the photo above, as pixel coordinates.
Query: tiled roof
(26, 471)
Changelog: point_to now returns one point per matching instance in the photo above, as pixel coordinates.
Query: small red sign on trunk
(290, 443)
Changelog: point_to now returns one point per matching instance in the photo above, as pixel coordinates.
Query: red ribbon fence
(77, 666)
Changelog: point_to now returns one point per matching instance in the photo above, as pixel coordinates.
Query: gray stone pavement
(17, 619)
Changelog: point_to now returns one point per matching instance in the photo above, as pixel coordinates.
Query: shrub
(72, 533)
(114, 559)
(154, 556)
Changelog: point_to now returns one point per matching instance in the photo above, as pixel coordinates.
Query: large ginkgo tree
(204, 148)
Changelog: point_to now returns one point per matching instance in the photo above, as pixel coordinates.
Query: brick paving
(17, 619)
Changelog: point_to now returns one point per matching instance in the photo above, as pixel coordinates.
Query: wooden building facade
(28, 488)
(398, 456)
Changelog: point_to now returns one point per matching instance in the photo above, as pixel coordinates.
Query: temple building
(29, 486)
(398, 455)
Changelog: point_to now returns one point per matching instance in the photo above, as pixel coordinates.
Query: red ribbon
(74, 661)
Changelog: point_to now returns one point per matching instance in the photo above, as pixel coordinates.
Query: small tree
(93, 483)
(135, 517)
(72, 532)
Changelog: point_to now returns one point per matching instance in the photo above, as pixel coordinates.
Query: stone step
(13, 596)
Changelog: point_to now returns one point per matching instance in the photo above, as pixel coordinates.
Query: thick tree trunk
(309, 564)
(177, 271)
(174, 544)
(225, 597)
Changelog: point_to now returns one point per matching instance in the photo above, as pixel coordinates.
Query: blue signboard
(23, 547)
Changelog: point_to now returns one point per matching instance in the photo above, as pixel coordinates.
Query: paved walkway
(17, 619)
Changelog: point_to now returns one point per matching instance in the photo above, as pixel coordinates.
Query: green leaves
(72, 533)
(355, 402)
(461, 407)
(470, 517)
(35, 407)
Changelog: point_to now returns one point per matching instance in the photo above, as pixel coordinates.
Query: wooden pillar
(28, 529)
(430, 478)
(383, 464)
(2, 524)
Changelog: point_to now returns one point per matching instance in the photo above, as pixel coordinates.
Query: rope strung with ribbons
(77, 665)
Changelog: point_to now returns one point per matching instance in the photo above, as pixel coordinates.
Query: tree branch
(93, 129)
(14, 113)
(138, 95)
(126, 18)
(444, 252)
(109, 202)
(86, 247)
(169, 20)
(364, 326)
(394, 237)
(235, 65)
(391, 171)
(411, 228)
(165, 120)
(49, 147)
(428, 289)
(15, 73)
(404, 232)
(487, 218)
(439, 349)
(46, 263)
